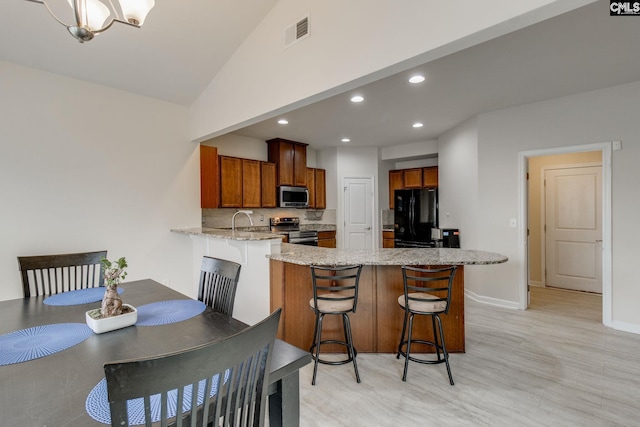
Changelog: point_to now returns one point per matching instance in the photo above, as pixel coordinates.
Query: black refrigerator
(415, 213)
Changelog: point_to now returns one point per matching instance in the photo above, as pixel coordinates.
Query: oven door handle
(302, 240)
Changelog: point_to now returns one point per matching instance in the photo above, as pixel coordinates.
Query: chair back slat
(336, 283)
(238, 365)
(218, 284)
(434, 281)
(53, 274)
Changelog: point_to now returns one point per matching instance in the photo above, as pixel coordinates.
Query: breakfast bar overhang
(377, 322)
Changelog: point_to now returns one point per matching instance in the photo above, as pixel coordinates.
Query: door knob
(367, 228)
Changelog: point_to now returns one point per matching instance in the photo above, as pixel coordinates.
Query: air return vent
(296, 32)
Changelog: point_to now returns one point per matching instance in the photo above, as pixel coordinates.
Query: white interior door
(358, 213)
(573, 247)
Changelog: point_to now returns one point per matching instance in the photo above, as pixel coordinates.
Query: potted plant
(113, 313)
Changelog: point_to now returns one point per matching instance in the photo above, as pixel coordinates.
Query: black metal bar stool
(335, 291)
(426, 292)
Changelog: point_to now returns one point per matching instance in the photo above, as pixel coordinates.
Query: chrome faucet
(233, 218)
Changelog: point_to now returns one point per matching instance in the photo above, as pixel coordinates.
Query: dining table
(52, 390)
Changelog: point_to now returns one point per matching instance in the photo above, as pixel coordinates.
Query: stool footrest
(349, 359)
(439, 349)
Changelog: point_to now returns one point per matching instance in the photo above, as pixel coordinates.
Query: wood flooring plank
(554, 364)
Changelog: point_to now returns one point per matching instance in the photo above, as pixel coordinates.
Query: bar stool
(426, 292)
(335, 291)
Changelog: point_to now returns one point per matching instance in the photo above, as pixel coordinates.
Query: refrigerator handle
(412, 202)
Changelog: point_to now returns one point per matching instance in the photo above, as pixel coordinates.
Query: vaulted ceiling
(183, 44)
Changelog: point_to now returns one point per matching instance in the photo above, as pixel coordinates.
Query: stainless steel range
(290, 226)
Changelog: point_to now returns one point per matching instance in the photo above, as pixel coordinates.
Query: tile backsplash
(221, 218)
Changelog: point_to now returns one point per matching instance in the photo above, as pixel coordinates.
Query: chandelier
(95, 16)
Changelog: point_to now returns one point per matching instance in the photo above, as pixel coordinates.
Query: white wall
(350, 43)
(587, 118)
(84, 168)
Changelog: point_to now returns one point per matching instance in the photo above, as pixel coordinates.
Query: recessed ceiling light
(416, 79)
(357, 98)
(345, 140)
(283, 121)
(417, 125)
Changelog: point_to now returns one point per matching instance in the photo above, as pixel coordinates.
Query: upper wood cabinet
(399, 179)
(412, 178)
(268, 184)
(251, 183)
(291, 158)
(396, 182)
(311, 186)
(209, 178)
(230, 182)
(317, 188)
(321, 189)
(430, 177)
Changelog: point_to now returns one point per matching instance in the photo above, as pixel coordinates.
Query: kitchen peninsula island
(250, 248)
(377, 323)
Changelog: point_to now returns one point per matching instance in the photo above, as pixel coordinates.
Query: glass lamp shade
(93, 13)
(135, 11)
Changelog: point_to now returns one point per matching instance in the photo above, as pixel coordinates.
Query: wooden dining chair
(234, 372)
(53, 274)
(218, 283)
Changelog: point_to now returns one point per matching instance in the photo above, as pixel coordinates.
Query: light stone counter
(245, 233)
(307, 255)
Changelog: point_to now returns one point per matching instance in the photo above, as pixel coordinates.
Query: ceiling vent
(296, 32)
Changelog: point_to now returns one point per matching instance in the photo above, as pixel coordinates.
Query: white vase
(114, 322)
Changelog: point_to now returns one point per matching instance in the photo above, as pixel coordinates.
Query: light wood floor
(552, 365)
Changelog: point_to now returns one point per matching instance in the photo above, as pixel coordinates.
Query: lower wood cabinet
(388, 239)
(327, 239)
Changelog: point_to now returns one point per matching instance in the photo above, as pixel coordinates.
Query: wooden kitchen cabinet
(430, 177)
(209, 178)
(291, 158)
(251, 184)
(268, 184)
(311, 186)
(412, 178)
(321, 190)
(388, 239)
(230, 182)
(396, 182)
(316, 184)
(327, 239)
(426, 177)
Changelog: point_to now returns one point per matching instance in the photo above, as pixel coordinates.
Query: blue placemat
(97, 404)
(40, 341)
(80, 296)
(171, 311)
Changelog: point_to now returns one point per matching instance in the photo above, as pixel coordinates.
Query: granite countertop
(307, 255)
(317, 227)
(245, 233)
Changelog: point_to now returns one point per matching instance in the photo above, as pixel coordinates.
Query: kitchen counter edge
(308, 255)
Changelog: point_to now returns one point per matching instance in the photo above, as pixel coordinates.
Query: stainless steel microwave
(293, 197)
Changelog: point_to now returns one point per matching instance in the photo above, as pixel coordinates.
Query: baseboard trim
(624, 327)
(491, 301)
